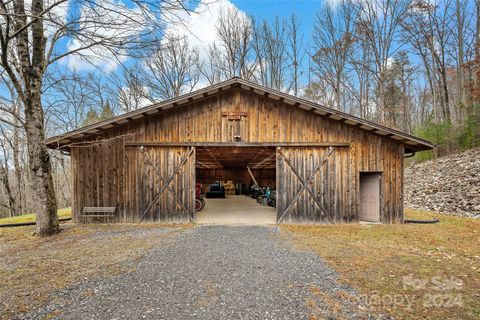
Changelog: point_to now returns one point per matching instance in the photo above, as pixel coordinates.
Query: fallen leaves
(32, 268)
(375, 259)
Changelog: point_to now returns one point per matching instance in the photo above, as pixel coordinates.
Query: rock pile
(449, 185)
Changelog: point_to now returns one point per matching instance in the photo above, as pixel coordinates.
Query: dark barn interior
(230, 164)
(237, 170)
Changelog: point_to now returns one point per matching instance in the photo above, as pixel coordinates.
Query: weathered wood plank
(103, 170)
(236, 144)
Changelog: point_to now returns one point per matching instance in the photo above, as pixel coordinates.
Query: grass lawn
(32, 268)
(62, 213)
(409, 271)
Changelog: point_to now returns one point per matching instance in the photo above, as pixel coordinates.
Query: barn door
(160, 184)
(304, 184)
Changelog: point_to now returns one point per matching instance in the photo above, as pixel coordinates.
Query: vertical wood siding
(98, 177)
(150, 171)
(314, 185)
(108, 174)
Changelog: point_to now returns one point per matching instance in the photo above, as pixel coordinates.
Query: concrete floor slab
(236, 210)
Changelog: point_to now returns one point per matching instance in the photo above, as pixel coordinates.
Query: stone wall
(449, 185)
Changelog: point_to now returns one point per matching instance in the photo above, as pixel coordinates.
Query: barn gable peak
(411, 142)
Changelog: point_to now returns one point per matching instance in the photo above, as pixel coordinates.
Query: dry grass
(33, 268)
(374, 259)
(62, 213)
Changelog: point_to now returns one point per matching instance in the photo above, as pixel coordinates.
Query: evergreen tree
(91, 117)
(106, 113)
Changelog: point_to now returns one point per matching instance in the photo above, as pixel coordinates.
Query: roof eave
(411, 142)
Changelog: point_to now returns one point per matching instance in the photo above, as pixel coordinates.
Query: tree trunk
(40, 165)
(460, 73)
(16, 162)
(477, 25)
(8, 190)
(338, 94)
(382, 108)
(444, 89)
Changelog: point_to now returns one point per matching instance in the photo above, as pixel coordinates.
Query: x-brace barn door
(161, 185)
(304, 184)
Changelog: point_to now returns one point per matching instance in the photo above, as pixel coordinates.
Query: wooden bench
(97, 212)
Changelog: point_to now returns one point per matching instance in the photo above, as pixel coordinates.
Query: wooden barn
(325, 165)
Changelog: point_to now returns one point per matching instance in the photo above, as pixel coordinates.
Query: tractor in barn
(199, 198)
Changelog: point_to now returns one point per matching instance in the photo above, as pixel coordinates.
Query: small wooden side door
(370, 196)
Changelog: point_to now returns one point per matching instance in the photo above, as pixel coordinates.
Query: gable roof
(412, 143)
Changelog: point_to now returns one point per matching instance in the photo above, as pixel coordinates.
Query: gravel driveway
(214, 272)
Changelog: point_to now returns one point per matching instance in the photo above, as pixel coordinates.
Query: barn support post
(253, 178)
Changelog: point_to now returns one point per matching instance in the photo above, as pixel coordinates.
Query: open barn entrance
(238, 184)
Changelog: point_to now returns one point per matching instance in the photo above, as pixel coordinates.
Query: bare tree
(428, 27)
(11, 125)
(271, 49)
(212, 69)
(414, 26)
(5, 145)
(461, 49)
(69, 92)
(233, 51)
(477, 24)
(172, 70)
(332, 44)
(29, 35)
(398, 82)
(128, 89)
(362, 91)
(379, 22)
(460, 20)
(296, 51)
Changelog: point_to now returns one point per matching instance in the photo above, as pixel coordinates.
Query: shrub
(469, 133)
(439, 134)
(451, 138)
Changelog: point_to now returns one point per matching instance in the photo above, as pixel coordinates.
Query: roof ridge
(303, 103)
